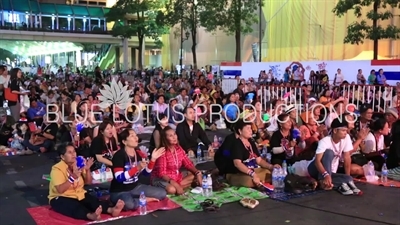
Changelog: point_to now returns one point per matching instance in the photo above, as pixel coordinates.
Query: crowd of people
(327, 140)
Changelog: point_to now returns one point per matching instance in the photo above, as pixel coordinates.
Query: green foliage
(137, 18)
(184, 12)
(368, 28)
(230, 16)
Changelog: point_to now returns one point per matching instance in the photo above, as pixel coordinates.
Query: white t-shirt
(331, 116)
(345, 145)
(370, 143)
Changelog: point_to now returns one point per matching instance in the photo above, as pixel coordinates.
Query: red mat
(389, 183)
(43, 215)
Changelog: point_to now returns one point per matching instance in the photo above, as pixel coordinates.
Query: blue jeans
(131, 198)
(47, 144)
(337, 178)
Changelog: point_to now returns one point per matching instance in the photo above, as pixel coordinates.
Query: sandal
(209, 206)
(249, 203)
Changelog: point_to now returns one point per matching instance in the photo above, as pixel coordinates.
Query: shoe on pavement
(344, 189)
(22, 152)
(354, 188)
(29, 152)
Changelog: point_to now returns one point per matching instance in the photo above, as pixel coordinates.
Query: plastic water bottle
(209, 185)
(215, 143)
(220, 140)
(275, 180)
(142, 204)
(284, 168)
(268, 157)
(103, 173)
(370, 176)
(264, 152)
(384, 174)
(290, 169)
(204, 185)
(282, 177)
(198, 153)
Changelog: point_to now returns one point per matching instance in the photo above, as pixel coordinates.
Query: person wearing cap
(325, 164)
(291, 110)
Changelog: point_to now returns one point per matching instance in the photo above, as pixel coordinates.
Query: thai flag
(391, 69)
(231, 68)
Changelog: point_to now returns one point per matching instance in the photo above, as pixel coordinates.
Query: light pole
(183, 39)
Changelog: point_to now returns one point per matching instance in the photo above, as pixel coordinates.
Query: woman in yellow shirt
(66, 193)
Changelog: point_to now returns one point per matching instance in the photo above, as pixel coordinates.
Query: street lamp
(183, 39)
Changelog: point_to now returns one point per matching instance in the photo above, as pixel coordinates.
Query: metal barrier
(380, 97)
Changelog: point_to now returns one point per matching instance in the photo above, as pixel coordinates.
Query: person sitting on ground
(190, 131)
(104, 145)
(222, 157)
(66, 193)
(44, 137)
(127, 165)
(166, 172)
(249, 170)
(374, 143)
(155, 139)
(326, 162)
(81, 140)
(393, 159)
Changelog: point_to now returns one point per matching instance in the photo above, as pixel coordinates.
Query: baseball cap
(339, 122)
(312, 99)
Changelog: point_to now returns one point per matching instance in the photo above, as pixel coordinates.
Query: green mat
(191, 202)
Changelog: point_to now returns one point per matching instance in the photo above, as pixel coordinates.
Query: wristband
(250, 173)
(325, 174)
(71, 179)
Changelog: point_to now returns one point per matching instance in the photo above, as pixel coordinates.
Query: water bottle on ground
(103, 173)
(282, 176)
(384, 174)
(142, 204)
(370, 175)
(284, 168)
(275, 180)
(209, 185)
(199, 159)
(204, 185)
(220, 140)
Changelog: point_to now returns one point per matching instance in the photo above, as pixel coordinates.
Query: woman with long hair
(155, 139)
(104, 145)
(15, 86)
(166, 172)
(282, 141)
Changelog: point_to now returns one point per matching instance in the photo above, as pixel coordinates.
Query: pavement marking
(32, 201)
(11, 171)
(6, 162)
(20, 183)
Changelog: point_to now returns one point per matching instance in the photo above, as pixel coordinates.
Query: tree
(137, 18)
(233, 17)
(358, 31)
(186, 14)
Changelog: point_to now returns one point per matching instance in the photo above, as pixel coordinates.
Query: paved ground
(21, 187)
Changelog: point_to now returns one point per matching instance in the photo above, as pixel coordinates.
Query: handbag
(8, 95)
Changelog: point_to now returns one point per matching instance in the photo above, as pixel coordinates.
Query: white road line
(6, 162)
(20, 183)
(11, 171)
(32, 201)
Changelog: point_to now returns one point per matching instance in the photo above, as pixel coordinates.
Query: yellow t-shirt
(59, 175)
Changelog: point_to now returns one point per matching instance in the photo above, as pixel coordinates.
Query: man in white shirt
(326, 162)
